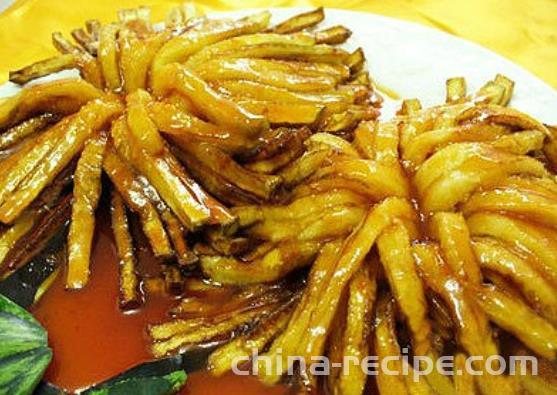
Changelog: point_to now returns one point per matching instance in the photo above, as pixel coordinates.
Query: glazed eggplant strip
(10, 236)
(283, 114)
(300, 22)
(473, 331)
(43, 68)
(53, 222)
(108, 56)
(288, 343)
(386, 346)
(214, 183)
(85, 40)
(260, 185)
(20, 165)
(293, 149)
(149, 142)
(93, 116)
(125, 182)
(17, 133)
(333, 100)
(86, 63)
(361, 297)
(396, 256)
(217, 109)
(281, 75)
(181, 47)
(61, 97)
(181, 127)
(176, 231)
(540, 335)
(180, 333)
(332, 35)
(242, 347)
(190, 212)
(87, 191)
(129, 298)
(496, 256)
(278, 262)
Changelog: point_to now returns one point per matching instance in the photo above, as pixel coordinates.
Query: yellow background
(524, 31)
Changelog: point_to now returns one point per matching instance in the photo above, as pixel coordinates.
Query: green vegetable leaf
(24, 352)
(156, 385)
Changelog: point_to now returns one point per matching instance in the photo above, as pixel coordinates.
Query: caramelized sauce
(202, 383)
(93, 340)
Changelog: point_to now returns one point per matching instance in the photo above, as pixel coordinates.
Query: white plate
(415, 61)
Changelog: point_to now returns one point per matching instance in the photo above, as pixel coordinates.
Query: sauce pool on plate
(93, 340)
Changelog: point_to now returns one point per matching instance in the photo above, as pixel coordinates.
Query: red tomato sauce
(93, 340)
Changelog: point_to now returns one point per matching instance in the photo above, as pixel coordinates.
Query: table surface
(521, 30)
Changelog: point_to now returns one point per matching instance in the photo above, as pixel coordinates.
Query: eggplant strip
(10, 236)
(129, 296)
(87, 64)
(93, 116)
(511, 314)
(148, 140)
(217, 109)
(334, 100)
(262, 186)
(277, 263)
(240, 300)
(497, 257)
(180, 126)
(394, 247)
(61, 97)
(368, 177)
(271, 143)
(279, 74)
(22, 163)
(219, 214)
(183, 46)
(353, 253)
(85, 40)
(284, 114)
(473, 331)
(43, 68)
(386, 346)
(125, 181)
(214, 183)
(332, 35)
(170, 329)
(176, 231)
(189, 210)
(293, 149)
(207, 330)
(108, 56)
(135, 57)
(227, 244)
(300, 22)
(87, 191)
(25, 129)
(335, 222)
(221, 360)
(305, 207)
(234, 46)
(354, 341)
(55, 221)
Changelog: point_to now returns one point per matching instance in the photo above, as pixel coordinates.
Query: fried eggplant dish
(282, 215)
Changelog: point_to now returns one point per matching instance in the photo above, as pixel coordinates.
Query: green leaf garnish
(24, 352)
(156, 385)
